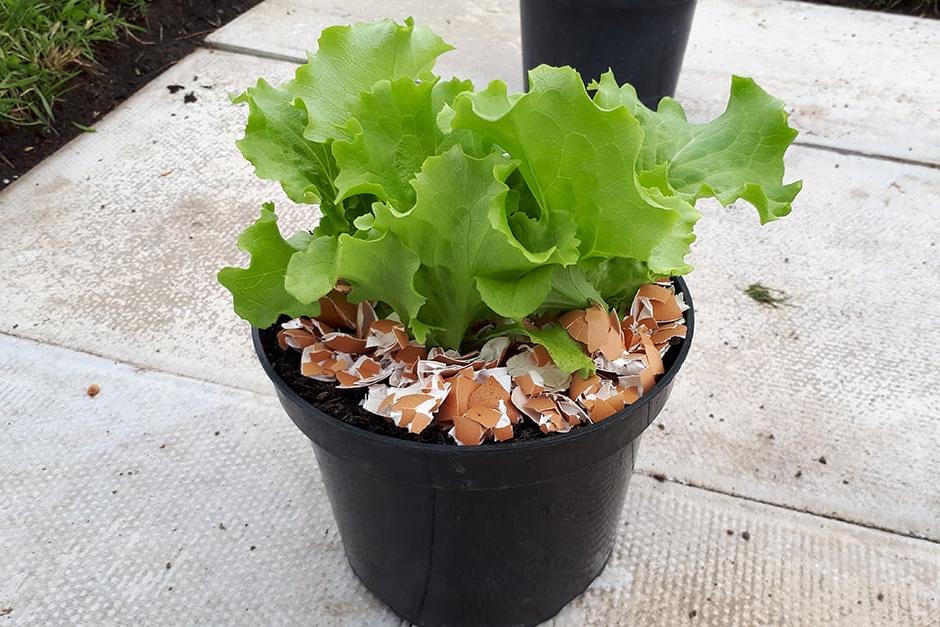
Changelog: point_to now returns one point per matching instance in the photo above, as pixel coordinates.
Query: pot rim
(429, 448)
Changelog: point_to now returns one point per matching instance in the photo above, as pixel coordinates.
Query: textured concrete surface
(857, 80)
(166, 500)
(112, 244)
(110, 248)
(134, 281)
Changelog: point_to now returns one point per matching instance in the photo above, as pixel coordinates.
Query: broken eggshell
(479, 396)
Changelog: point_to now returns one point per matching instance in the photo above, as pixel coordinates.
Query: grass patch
(767, 295)
(44, 45)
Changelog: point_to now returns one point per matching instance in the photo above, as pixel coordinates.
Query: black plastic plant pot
(498, 534)
(642, 41)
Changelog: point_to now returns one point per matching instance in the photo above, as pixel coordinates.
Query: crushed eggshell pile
(480, 395)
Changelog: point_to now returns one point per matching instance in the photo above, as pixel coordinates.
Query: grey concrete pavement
(108, 252)
(119, 498)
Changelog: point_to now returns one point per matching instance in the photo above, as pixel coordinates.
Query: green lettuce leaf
(380, 268)
(518, 297)
(451, 230)
(451, 206)
(571, 288)
(562, 348)
(618, 279)
(311, 272)
(739, 154)
(351, 59)
(274, 143)
(258, 290)
(393, 130)
(576, 158)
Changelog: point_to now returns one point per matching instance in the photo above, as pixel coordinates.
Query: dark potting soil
(917, 8)
(172, 29)
(344, 404)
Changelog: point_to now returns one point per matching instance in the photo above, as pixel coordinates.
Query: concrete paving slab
(820, 404)
(165, 500)
(856, 80)
(843, 372)
(114, 241)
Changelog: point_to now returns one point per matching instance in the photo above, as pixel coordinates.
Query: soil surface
(172, 29)
(344, 404)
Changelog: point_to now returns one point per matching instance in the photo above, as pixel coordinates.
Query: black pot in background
(642, 41)
(501, 534)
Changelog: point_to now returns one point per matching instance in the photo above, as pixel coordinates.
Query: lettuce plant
(452, 206)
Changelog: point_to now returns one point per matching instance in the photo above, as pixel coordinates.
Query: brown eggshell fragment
(346, 379)
(315, 370)
(467, 432)
(558, 421)
(662, 336)
(667, 311)
(344, 343)
(410, 401)
(485, 416)
(336, 311)
(295, 338)
(650, 324)
(503, 433)
(528, 385)
(663, 301)
(365, 316)
(572, 412)
(401, 336)
(542, 358)
(628, 395)
(600, 409)
(458, 399)
(541, 404)
(652, 355)
(581, 386)
(411, 354)
(419, 423)
(489, 394)
(369, 368)
(575, 316)
(598, 327)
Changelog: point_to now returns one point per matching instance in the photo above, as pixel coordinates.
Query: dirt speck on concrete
(822, 460)
(745, 535)
(658, 476)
